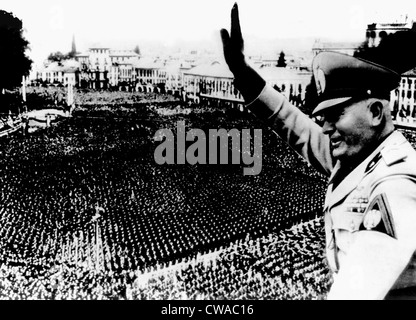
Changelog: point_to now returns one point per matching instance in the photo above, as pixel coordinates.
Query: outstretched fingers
(233, 43)
(235, 24)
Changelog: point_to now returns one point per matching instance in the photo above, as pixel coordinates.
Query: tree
(57, 56)
(282, 61)
(137, 50)
(311, 97)
(13, 45)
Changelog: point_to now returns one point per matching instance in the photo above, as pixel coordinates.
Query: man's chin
(339, 154)
(345, 158)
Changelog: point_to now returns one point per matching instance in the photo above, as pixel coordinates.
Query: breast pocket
(349, 215)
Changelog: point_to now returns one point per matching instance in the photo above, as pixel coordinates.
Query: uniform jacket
(387, 176)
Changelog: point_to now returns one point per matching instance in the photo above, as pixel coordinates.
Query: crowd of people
(286, 265)
(86, 212)
(39, 97)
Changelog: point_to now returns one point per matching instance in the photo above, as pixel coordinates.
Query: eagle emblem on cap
(320, 81)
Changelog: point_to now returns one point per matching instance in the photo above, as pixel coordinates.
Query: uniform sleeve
(375, 261)
(294, 127)
(401, 197)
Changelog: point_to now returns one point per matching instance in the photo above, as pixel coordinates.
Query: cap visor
(328, 104)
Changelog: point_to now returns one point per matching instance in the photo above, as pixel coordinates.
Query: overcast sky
(50, 24)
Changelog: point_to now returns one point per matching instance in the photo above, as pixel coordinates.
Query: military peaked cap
(340, 78)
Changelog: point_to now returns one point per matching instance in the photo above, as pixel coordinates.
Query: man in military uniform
(370, 205)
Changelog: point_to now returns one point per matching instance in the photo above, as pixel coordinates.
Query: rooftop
(410, 73)
(213, 69)
(335, 45)
(123, 53)
(63, 66)
(148, 63)
(283, 74)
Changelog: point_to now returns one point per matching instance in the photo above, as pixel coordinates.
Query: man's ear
(377, 112)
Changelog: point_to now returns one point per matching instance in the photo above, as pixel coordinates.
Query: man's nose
(328, 127)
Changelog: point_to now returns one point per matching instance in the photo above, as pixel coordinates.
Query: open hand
(233, 45)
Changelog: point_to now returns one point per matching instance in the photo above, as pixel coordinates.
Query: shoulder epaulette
(393, 155)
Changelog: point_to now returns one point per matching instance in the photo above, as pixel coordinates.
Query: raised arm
(293, 126)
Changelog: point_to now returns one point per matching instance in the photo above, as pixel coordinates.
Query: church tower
(73, 47)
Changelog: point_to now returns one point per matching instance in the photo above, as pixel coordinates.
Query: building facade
(103, 68)
(341, 47)
(215, 82)
(59, 73)
(403, 103)
(210, 82)
(377, 31)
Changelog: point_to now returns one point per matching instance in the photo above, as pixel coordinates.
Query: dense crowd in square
(284, 265)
